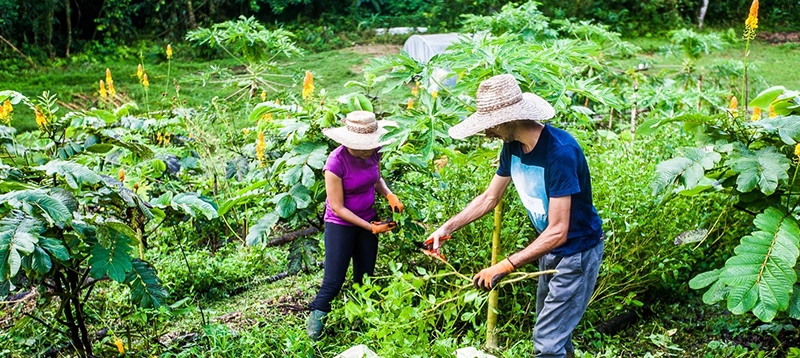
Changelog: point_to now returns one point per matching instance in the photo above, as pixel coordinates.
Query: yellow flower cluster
(263, 96)
(5, 112)
(756, 114)
(145, 82)
(772, 113)
(415, 90)
(308, 85)
(261, 146)
(169, 51)
(110, 83)
(41, 120)
(734, 106)
(751, 24)
(120, 346)
(797, 150)
(410, 104)
(162, 139)
(121, 174)
(140, 72)
(103, 92)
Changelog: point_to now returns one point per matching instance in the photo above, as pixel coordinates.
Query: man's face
(500, 131)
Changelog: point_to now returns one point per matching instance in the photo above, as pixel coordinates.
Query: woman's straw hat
(500, 100)
(360, 131)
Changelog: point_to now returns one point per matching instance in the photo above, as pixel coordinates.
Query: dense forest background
(56, 28)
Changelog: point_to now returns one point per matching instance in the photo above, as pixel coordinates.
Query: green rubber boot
(315, 325)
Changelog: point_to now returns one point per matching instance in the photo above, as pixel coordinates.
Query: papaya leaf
(51, 208)
(761, 274)
(764, 169)
(259, 233)
(19, 234)
(114, 260)
(75, 174)
(146, 288)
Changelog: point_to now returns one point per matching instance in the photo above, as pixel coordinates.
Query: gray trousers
(561, 299)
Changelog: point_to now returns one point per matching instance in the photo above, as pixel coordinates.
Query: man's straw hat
(360, 131)
(500, 100)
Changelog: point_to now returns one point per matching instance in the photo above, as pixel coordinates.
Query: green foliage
(751, 162)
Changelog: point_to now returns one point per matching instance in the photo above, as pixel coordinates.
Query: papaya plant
(754, 161)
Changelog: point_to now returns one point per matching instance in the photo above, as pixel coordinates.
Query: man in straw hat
(352, 176)
(550, 173)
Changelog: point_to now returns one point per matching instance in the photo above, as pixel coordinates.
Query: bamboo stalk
(491, 314)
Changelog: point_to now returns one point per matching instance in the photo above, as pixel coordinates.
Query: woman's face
(362, 154)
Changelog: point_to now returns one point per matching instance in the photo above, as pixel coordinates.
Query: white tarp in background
(423, 47)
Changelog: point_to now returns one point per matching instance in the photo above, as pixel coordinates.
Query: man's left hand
(488, 278)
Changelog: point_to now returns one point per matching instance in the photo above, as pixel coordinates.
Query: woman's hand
(379, 227)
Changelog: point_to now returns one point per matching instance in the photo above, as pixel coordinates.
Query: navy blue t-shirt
(556, 167)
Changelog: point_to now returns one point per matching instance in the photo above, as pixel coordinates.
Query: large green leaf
(19, 234)
(301, 196)
(75, 174)
(260, 232)
(763, 168)
(765, 98)
(146, 289)
(27, 200)
(761, 274)
(788, 128)
(285, 204)
(193, 205)
(690, 168)
(114, 260)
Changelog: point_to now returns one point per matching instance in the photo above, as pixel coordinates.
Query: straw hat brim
(360, 141)
(531, 107)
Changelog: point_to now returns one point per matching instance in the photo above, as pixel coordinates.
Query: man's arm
(477, 208)
(552, 237)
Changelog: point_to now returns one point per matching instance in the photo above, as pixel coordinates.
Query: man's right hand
(436, 239)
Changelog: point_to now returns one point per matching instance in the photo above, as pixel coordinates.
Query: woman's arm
(381, 187)
(335, 192)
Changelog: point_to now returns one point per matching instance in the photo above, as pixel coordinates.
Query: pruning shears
(427, 248)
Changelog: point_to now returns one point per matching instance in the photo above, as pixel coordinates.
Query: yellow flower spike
(5, 112)
(278, 102)
(111, 91)
(734, 106)
(772, 113)
(145, 82)
(120, 346)
(797, 150)
(410, 104)
(415, 90)
(261, 145)
(308, 85)
(752, 18)
(103, 89)
(121, 174)
(263, 96)
(169, 51)
(756, 114)
(435, 94)
(140, 72)
(269, 117)
(7, 107)
(108, 76)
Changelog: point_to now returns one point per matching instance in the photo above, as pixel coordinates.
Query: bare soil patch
(779, 37)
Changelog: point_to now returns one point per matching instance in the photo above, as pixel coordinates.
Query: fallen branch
(28, 59)
(291, 236)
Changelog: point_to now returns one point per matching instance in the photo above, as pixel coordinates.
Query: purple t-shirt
(359, 177)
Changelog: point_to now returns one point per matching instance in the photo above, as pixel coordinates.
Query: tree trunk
(190, 8)
(69, 26)
(702, 15)
(49, 27)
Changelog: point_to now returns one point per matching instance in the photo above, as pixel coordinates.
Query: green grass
(771, 62)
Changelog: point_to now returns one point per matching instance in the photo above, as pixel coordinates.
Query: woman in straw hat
(551, 176)
(352, 176)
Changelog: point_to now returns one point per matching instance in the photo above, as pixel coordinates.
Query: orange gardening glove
(379, 227)
(488, 277)
(395, 203)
